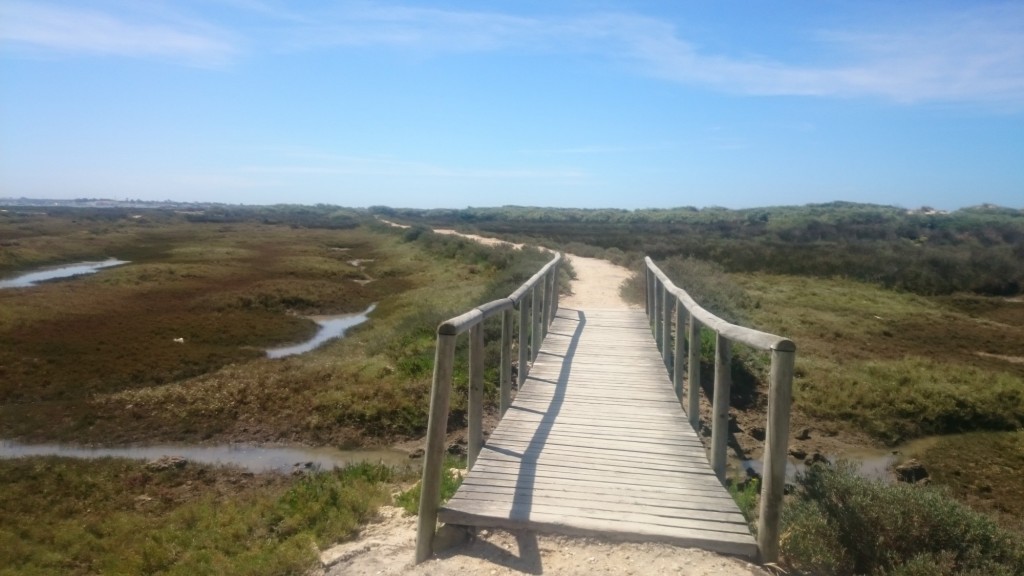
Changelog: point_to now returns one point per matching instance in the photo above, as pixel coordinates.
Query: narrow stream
(870, 463)
(330, 327)
(33, 278)
(249, 457)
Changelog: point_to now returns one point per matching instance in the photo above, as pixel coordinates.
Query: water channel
(249, 457)
(33, 278)
(330, 327)
(870, 463)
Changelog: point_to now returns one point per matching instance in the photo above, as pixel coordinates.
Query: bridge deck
(596, 444)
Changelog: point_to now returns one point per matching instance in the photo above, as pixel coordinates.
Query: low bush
(842, 524)
(115, 516)
(706, 282)
(451, 479)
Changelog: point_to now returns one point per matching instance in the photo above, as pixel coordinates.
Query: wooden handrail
(783, 354)
(537, 300)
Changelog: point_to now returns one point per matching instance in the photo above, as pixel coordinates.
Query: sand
(386, 547)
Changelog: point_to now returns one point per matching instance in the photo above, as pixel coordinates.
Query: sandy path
(387, 546)
(596, 285)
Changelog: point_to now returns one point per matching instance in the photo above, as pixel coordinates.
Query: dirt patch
(387, 547)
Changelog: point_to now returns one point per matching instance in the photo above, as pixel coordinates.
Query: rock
(752, 474)
(417, 453)
(456, 449)
(911, 471)
(804, 434)
(815, 458)
(166, 463)
(798, 453)
(734, 426)
(757, 433)
(302, 468)
(449, 536)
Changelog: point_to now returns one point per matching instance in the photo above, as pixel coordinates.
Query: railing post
(476, 393)
(679, 353)
(659, 303)
(535, 312)
(720, 405)
(437, 427)
(554, 299)
(506, 361)
(648, 274)
(780, 394)
(693, 374)
(652, 298)
(546, 320)
(666, 326)
(524, 338)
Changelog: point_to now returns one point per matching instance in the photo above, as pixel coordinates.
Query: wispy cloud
(971, 54)
(52, 28)
(975, 54)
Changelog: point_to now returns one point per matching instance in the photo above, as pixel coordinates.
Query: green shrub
(706, 282)
(746, 495)
(450, 482)
(843, 524)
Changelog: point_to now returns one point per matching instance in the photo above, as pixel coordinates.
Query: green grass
(409, 500)
(982, 469)
(747, 496)
(111, 516)
(891, 364)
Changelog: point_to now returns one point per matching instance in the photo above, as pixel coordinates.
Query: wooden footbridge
(597, 441)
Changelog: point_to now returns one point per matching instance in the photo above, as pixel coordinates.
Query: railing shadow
(522, 502)
(528, 561)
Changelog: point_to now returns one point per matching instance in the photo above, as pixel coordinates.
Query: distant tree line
(978, 249)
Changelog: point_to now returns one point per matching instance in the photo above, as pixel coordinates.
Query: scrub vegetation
(94, 359)
(844, 525)
(909, 324)
(112, 516)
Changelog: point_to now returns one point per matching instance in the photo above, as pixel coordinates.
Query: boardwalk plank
(596, 444)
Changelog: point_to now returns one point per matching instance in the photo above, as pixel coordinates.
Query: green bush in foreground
(842, 524)
(451, 479)
(114, 516)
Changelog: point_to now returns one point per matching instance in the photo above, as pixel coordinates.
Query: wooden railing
(537, 302)
(662, 297)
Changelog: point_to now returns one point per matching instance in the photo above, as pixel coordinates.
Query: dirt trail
(596, 285)
(387, 545)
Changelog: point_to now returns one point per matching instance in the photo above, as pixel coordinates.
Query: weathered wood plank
(596, 443)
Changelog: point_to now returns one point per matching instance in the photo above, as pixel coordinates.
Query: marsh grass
(113, 516)
(94, 359)
(894, 365)
(982, 469)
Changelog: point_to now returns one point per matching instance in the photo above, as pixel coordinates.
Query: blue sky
(454, 104)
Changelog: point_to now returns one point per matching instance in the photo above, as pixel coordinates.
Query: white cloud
(972, 55)
(66, 30)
